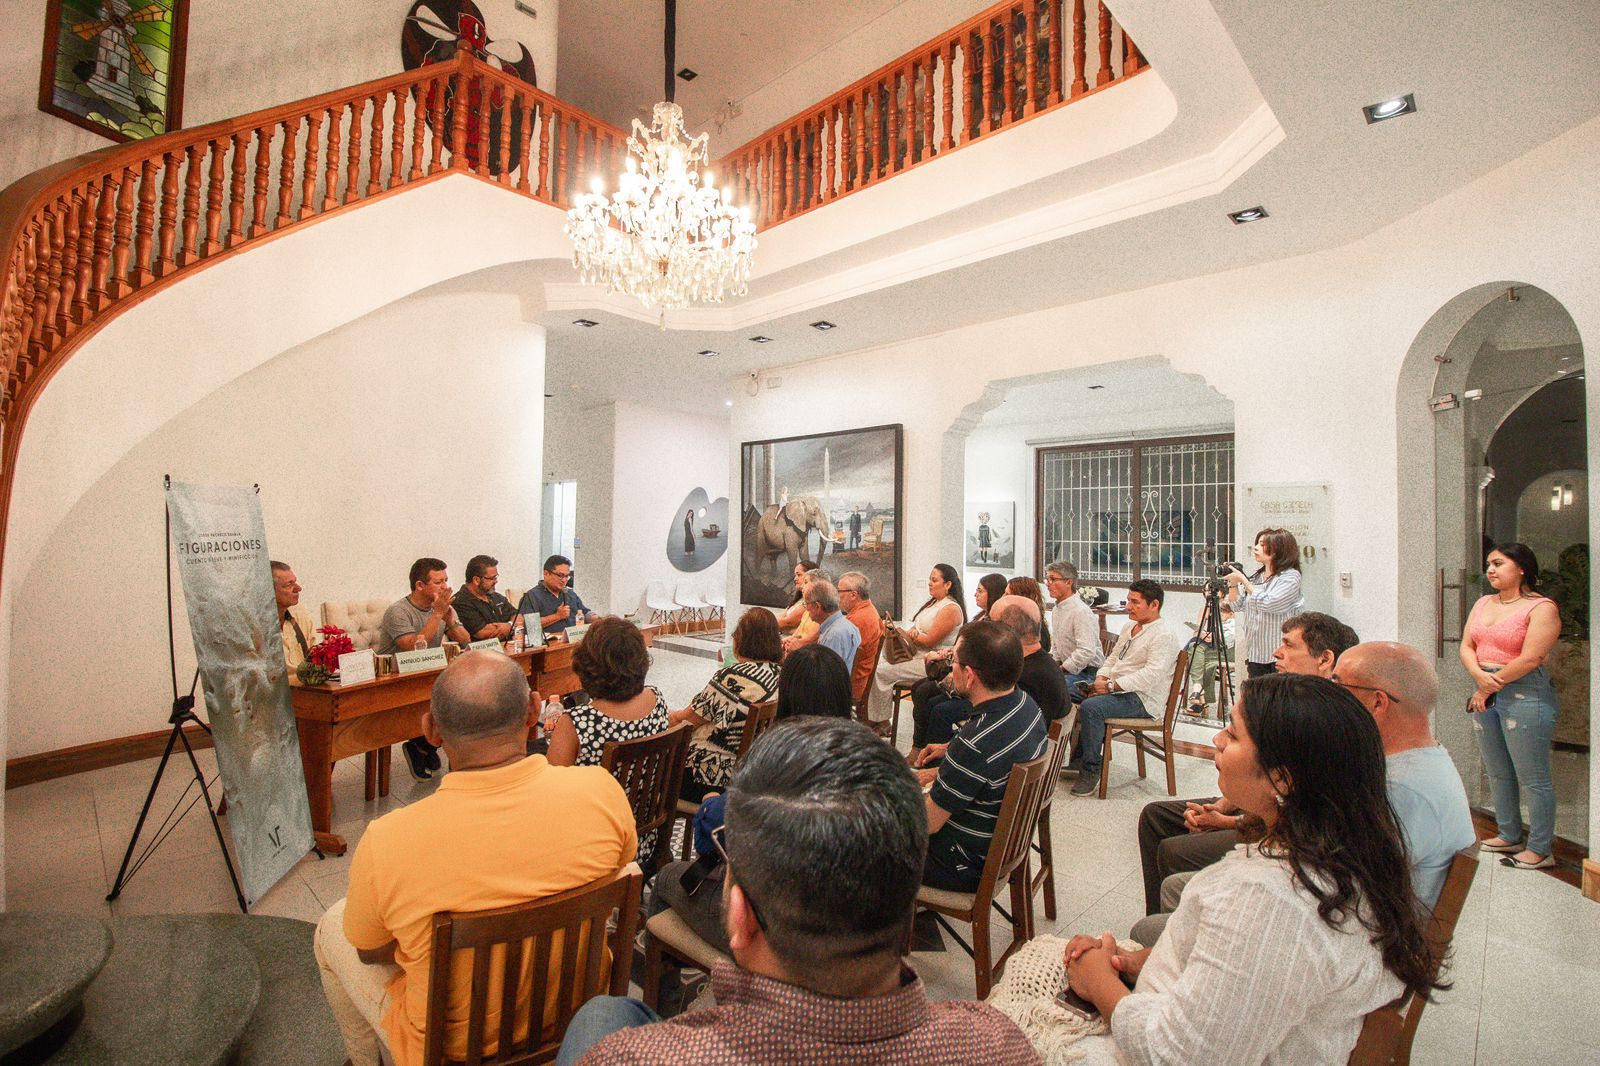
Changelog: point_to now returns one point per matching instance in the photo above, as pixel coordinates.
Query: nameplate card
(533, 634)
(576, 633)
(357, 666)
(486, 644)
(415, 662)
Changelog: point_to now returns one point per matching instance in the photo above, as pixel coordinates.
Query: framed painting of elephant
(832, 498)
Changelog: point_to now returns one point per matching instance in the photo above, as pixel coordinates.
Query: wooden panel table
(338, 721)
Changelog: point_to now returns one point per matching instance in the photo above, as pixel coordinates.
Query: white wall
(243, 57)
(580, 445)
(365, 460)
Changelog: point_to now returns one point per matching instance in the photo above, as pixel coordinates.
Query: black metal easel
(182, 714)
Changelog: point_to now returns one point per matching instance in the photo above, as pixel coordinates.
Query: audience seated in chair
(1185, 835)
(795, 619)
(423, 619)
(1277, 953)
(485, 839)
(967, 788)
(855, 600)
(824, 840)
(611, 664)
(936, 711)
(834, 631)
(1133, 681)
(718, 713)
(1074, 629)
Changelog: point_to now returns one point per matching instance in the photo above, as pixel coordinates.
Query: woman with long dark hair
(1265, 600)
(934, 626)
(929, 695)
(1505, 642)
(1278, 952)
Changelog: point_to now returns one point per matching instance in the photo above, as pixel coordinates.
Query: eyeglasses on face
(717, 836)
(560, 575)
(1365, 688)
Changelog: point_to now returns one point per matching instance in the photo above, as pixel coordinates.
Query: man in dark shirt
(1041, 675)
(970, 784)
(824, 844)
(484, 613)
(557, 606)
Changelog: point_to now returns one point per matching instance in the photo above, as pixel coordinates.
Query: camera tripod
(1209, 633)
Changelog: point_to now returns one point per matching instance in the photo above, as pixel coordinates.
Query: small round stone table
(46, 962)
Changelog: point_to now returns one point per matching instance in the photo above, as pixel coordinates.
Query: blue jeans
(1092, 717)
(1087, 675)
(598, 1019)
(1514, 736)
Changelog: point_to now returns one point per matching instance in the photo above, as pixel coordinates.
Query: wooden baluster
(397, 138)
(39, 271)
(559, 183)
(504, 139)
(1080, 50)
(1008, 67)
(88, 215)
(214, 197)
(192, 203)
(241, 159)
(71, 207)
(525, 147)
(481, 105)
(56, 235)
(419, 128)
(1055, 40)
(1132, 58)
(990, 44)
(892, 143)
(1031, 66)
(286, 171)
(312, 168)
(375, 146)
(436, 130)
(144, 248)
(972, 53)
(122, 242)
(1103, 75)
(861, 178)
(838, 150)
(930, 66)
(166, 262)
(541, 184)
(104, 223)
(949, 139)
(330, 176)
(784, 175)
(352, 180)
(459, 106)
(258, 214)
(580, 133)
(847, 142)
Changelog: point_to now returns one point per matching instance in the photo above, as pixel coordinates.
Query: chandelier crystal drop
(667, 236)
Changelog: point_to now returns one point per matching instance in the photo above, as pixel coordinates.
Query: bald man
(1041, 676)
(1398, 685)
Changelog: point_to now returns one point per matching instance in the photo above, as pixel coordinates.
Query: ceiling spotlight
(1249, 214)
(1097, 386)
(707, 352)
(687, 75)
(1400, 105)
(761, 340)
(727, 403)
(824, 326)
(586, 323)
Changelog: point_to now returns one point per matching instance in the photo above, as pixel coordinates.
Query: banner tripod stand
(182, 714)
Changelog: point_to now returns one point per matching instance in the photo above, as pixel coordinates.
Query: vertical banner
(220, 545)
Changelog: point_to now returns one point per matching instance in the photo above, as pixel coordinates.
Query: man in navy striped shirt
(969, 785)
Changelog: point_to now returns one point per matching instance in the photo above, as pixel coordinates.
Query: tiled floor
(1527, 950)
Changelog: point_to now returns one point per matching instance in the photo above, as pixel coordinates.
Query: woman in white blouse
(1278, 952)
(935, 625)
(1265, 600)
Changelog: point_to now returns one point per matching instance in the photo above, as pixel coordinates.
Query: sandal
(1513, 846)
(1545, 863)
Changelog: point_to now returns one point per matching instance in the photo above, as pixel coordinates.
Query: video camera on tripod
(1216, 573)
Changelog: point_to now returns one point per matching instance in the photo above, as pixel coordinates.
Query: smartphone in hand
(1075, 1003)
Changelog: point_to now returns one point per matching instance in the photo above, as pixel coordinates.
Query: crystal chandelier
(667, 236)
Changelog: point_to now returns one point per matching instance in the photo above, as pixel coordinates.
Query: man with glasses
(855, 602)
(483, 611)
(823, 844)
(557, 606)
(1074, 630)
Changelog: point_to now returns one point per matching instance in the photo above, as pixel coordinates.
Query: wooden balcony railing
(89, 237)
(1004, 66)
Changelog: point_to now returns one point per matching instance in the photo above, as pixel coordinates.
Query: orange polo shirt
(865, 619)
(486, 838)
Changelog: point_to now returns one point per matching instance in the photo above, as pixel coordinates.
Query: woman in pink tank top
(1507, 637)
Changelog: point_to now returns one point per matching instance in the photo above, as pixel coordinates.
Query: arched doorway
(1509, 458)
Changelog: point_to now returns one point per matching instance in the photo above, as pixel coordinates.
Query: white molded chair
(717, 602)
(687, 596)
(663, 610)
(362, 619)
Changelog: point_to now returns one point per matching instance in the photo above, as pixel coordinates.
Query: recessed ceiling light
(824, 326)
(707, 352)
(1097, 386)
(1249, 214)
(727, 403)
(586, 323)
(761, 340)
(687, 75)
(1387, 109)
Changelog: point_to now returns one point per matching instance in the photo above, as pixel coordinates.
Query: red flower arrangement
(334, 643)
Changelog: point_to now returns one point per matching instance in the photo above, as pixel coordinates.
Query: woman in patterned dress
(611, 662)
(718, 713)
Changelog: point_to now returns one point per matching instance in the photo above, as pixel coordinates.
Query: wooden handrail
(1013, 60)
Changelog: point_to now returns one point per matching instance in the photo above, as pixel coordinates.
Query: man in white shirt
(1074, 630)
(1133, 681)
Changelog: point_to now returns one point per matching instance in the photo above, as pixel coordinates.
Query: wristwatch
(1112, 686)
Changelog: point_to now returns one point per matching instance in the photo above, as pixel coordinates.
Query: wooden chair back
(1175, 691)
(537, 962)
(860, 705)
(650, 771)
(1387, 1033)
(1045, 877)
(758, 721)
(1013, 830)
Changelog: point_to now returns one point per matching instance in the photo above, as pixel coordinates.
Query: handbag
(897, 647)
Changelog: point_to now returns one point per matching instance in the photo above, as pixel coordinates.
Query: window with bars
(1142, 509)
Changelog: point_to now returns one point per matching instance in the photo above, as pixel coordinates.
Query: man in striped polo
(965, 791)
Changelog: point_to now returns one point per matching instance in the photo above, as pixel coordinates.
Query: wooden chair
(900, 690)
(666, 935)
(1387, 1033)
(1007, 863)
(866, 693)
(758, 721)
(538, 961)
(1060, 741)
(1139, 727)
(650, 770)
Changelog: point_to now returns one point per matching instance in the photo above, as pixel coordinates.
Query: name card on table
(486, 644)
(576, 633)
(357, 666)
(533, 634)
(415, 662)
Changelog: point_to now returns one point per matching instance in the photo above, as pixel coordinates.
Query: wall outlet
(772, 381)
(1344, 580)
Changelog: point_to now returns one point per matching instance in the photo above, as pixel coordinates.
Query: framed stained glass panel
(115, 66)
